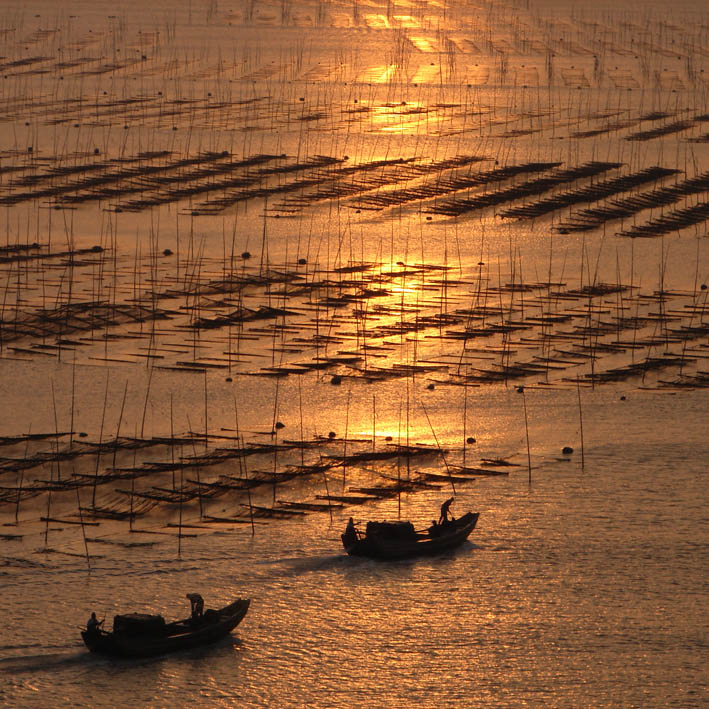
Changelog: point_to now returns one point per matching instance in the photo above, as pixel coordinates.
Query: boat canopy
(391, 530)
(138, 624)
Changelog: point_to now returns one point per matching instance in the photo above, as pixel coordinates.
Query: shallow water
(582, 589)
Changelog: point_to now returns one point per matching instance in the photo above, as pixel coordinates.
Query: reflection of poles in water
(132, 487)
(465, 417)
(22, 477)
(274, 432)
(526, 431)
(242, 465)
(51, 467)
(100, 440)
(398, 466)
(206, 410)
(578, 393)
(344, 448)
(118, 427)
(374, 422)
(179, 513)
(199, 480)
(83, 528)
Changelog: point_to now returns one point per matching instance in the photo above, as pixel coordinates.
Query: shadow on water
(51, 662)
(343, 562)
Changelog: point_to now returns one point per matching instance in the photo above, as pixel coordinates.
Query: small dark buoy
(83, 434)
(431, 386)
(567, 450)
(245, 255)
(167, 252)
(332, 434)
(302, 261)
(470, 440)
(228, 379)
(279, 425)
(96, 249)
(337, 379)
(622, 398)
(520, 390)
(704, 286)
(389, 438)
(29, 149)
(97, 151)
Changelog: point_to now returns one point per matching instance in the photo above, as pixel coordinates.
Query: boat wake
(45, 662)
(311, 564)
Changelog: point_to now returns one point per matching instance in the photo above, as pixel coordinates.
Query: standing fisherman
(444, 511)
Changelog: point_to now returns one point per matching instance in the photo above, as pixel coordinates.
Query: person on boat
(350, 537)
(444, 511)
(94, 624)
(196, 604)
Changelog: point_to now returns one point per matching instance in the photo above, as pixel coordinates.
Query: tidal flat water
(266, 266)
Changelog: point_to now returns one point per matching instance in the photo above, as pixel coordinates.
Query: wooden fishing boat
(143, 635)
(399, 540)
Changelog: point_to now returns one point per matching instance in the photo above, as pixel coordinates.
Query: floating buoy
(337, 379)
(470, 440)
(167, 252)
(567, 450)
(245, 255)
(332, 434)
(302, 262)
(279, 425)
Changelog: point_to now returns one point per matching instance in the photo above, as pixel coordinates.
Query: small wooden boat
(143, 635)
(399, 540)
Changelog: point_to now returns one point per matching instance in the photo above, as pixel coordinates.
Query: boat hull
(178, 636)
(451, 536)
